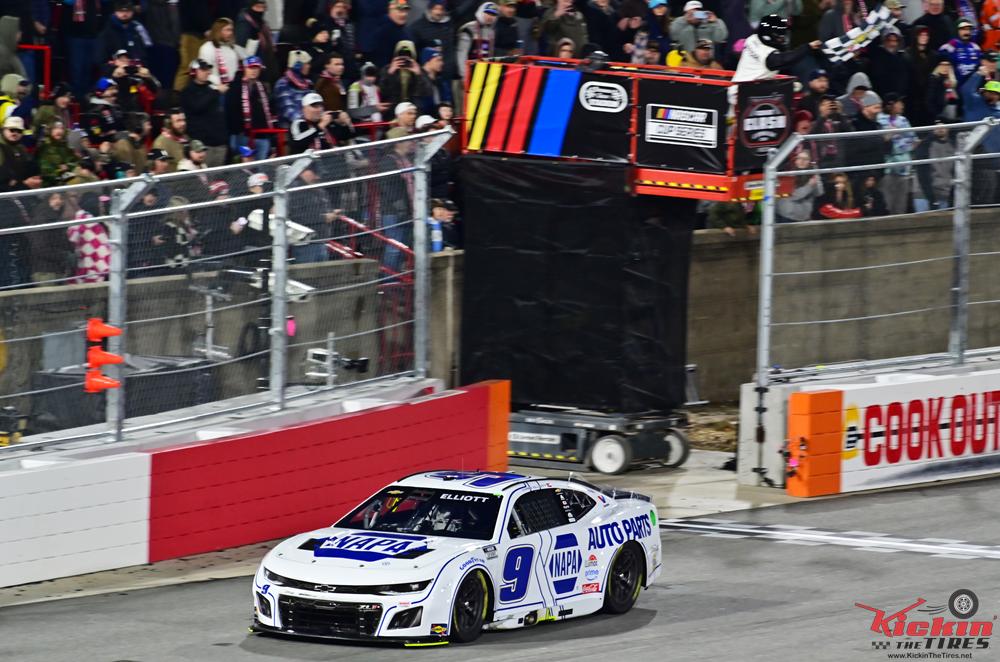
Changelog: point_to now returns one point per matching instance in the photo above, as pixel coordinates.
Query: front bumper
(294, 612)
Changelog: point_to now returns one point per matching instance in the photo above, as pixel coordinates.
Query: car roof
(467, 481)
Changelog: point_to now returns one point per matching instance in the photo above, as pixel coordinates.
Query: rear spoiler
(612, 492)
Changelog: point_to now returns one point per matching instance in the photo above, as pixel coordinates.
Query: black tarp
(574, 289)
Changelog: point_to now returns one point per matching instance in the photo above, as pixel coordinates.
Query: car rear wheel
(624, 580)
(469, 612)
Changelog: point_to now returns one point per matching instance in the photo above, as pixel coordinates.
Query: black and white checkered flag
(841, 49)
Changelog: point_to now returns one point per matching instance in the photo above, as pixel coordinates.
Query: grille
(328, 618)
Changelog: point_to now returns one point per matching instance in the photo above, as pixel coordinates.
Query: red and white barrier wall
(893, 430)
(79, 516)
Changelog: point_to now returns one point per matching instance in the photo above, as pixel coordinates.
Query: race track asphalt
(721, 598)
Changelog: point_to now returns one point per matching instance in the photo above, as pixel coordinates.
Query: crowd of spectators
(215, 80)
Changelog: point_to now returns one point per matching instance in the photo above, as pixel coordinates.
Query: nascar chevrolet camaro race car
(440, 556)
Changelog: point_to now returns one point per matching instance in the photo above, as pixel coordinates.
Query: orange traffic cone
(97, 330)
(95, 382)
(96, 357)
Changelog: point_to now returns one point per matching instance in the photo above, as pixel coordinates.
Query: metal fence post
(958, 335)
(426, 149)
(774, 160)
(278, 332)
(121, 200)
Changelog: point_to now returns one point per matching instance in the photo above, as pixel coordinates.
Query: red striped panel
(525, 108)
(504, 108)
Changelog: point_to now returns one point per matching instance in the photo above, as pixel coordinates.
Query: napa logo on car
(565, 563)
(368, 545)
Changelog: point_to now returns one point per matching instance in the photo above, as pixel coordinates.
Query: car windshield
(427, 511)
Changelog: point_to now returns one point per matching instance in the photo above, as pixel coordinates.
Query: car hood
(350, 556)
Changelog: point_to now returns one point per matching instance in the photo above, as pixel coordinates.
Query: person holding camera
(697, 23)
(137, 87)
(402, 79)
(318, 128)
(206, 119)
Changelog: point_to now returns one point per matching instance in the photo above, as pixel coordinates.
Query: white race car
(440, 556)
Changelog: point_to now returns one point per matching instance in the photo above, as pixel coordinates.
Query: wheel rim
(624, 576)
(469, 605)
(607, 456)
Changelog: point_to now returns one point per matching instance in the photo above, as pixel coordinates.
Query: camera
(701, 15)
(132, 70)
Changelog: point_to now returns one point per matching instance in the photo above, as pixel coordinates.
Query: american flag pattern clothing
(92, 247)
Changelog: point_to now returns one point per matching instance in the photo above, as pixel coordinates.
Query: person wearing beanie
(130, 145)
(435, 29)
(253, 35)
(202, 101)
(402, 79)
(248, 108)
(123, 32)
(54, 109)
(391, 30)
(342, 36)
(477, 38)
(54, 154)
(319, 46)
(364, 99)
(869, 150)
(292, 87)
(437, 86)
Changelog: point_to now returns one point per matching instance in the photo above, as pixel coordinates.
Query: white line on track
(875, 543)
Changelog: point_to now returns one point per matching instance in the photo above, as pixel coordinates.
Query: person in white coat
(222, 53)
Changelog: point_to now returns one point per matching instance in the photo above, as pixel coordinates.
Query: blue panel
(553, 112)
(565, 540)
(564, 585)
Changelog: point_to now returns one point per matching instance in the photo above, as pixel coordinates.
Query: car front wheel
(469, 612)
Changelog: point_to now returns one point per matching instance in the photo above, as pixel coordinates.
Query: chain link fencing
(285, 277)
(872, 256)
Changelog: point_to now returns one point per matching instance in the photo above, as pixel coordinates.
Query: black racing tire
(963, 604)
(469, 611)
(624, 581)
(678, 448)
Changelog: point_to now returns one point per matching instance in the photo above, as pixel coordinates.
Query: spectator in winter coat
(248, 108)
(122, 31)
(163, 21)
(253, 35)
(364, 99)
(839, 20)
(942, 172)
(898, 180)
(921, 59)
(942, 90)
(890, 69)
(563, 21)
(330, 84)
(435, 29)
(55, 157)
(56, 109)
(697, 23)
(206, 119)
(962, 51)
(81, 23)
(291, 87)
(90, 242)
(318, 128)
(657, 26)
(870, 198)
(51, 252)
(391, 30)
(369, 16)
(703, 56)
(940, 24)
(981, 99)
(818, 88)
(477, 39)
(319, 45)
(130, 144)
(602, 27)
(799, 205)
(14, 158)
(342, 35)
(436, 88)
(196, 20)
(857, 87)
(783, 8)
(9, 62)
(402, 79)
(173, 137)
(222, 53)
(869, 150)
(508, 41)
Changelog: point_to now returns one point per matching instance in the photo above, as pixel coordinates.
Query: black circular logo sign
(764, 123)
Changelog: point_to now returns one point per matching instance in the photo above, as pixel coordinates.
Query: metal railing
(288, 276)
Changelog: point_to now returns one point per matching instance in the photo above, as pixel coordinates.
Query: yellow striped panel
(475, 89)
(485, 106)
